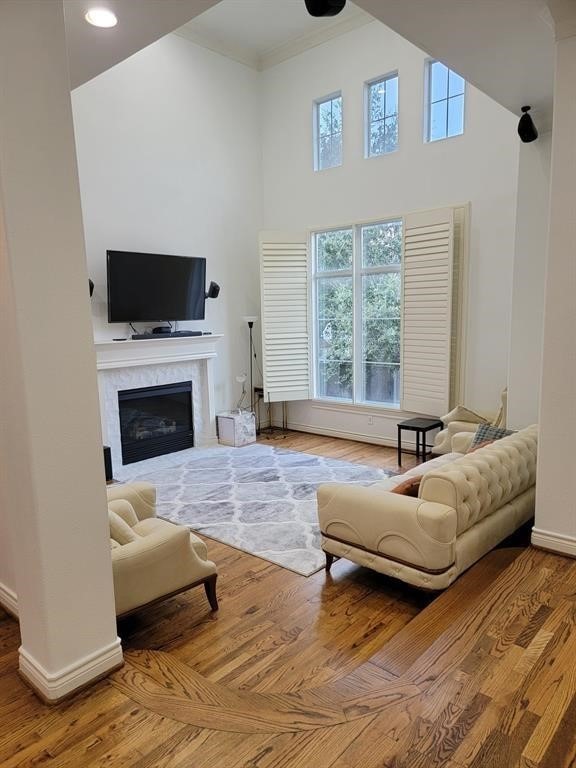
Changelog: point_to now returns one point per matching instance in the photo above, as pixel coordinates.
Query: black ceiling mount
(324, 7)
(526, 128)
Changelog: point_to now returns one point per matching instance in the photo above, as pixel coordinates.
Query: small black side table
(421, 427)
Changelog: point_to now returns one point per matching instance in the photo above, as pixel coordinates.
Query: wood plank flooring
(339, 671)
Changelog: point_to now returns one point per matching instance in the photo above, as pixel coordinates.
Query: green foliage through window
(328, 117)
(382, 117)
(373, 327)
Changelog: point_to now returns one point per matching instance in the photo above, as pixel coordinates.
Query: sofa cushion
(479, 483)
(460, 413)
(120, 531)
(389, 483)
(408, 487)
(486, 434)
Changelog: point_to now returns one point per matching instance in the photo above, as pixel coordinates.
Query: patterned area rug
(260, 499)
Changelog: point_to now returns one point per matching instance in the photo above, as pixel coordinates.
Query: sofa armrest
(399, 527)
(462, 441)
(155, 565)
(443, 440)
(141, 495)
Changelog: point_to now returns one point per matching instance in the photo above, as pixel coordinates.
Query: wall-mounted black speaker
(107, 463)
(90, 286)
(213, 290)
(526, 128)
(324, 7)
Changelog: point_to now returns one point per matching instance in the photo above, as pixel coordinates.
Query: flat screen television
(151, 287)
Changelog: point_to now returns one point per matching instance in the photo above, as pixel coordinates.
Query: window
(357, 298)
(382, 116)
(445, 102)
(328, 132)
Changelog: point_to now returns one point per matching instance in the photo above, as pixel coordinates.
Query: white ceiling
(261, 33)
(504, 47)
(140, 22)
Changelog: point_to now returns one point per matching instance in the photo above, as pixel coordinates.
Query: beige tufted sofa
(152, 558)
(466, 505)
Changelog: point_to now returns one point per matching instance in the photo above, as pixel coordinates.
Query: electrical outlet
(370, 419)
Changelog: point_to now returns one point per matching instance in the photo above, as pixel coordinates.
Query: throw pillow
(119, 530)
(486, 434)
(460, 413)
(409, 487)
(125, 510)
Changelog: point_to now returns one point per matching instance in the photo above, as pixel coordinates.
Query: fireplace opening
(155, 421)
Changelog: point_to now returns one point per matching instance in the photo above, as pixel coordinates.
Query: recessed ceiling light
(101, 17)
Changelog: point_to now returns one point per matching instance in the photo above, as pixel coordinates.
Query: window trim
(316, 129)
(357, 272)
(428, 102)
(367, 122)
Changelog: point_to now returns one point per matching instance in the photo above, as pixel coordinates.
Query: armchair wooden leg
(210, 587)
(329, 561)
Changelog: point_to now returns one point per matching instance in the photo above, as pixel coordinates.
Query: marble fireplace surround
(132, 364)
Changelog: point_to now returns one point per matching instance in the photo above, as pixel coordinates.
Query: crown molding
(292, 48)
(236, 53)
(280, 53)
(563, 14)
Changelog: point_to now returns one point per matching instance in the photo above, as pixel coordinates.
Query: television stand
(170, 335)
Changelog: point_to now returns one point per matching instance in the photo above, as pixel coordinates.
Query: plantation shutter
(427, 311)
(285, 332)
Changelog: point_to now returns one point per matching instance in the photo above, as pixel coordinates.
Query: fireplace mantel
(133, 352)
(136, 363)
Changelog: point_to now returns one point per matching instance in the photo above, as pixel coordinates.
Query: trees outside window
(357, 303)
(382, 116)
(445, 102)
(328, 132)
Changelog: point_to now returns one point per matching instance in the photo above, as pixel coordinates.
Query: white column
(527, 311)
(50, 444)
(555, 526)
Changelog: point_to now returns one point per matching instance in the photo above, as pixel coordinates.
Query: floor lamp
(251, 320)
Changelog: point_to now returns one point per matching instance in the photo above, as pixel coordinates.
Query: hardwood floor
(340, 671)
(335, 448)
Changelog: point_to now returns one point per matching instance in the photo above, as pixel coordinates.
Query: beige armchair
(461, 424)
(152, 559)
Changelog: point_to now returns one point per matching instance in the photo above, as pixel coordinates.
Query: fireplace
(155, 420)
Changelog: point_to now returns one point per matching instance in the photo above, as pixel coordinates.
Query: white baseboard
(53, 686)
(346, 435)
(554, 542)
(8, 600)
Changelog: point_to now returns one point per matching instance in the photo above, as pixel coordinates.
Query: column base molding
(52, 687)
(9, 600)
(554, 542)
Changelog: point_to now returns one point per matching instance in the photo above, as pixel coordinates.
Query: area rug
(259, 498)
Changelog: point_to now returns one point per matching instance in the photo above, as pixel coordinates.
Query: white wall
(169, 161)
(555, 524)
(480, 167)
(10, 427)
(532, 216)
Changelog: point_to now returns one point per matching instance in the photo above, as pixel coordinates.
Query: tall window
(445, 102)
(328, 132)
(357, 298)
(382, 115)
